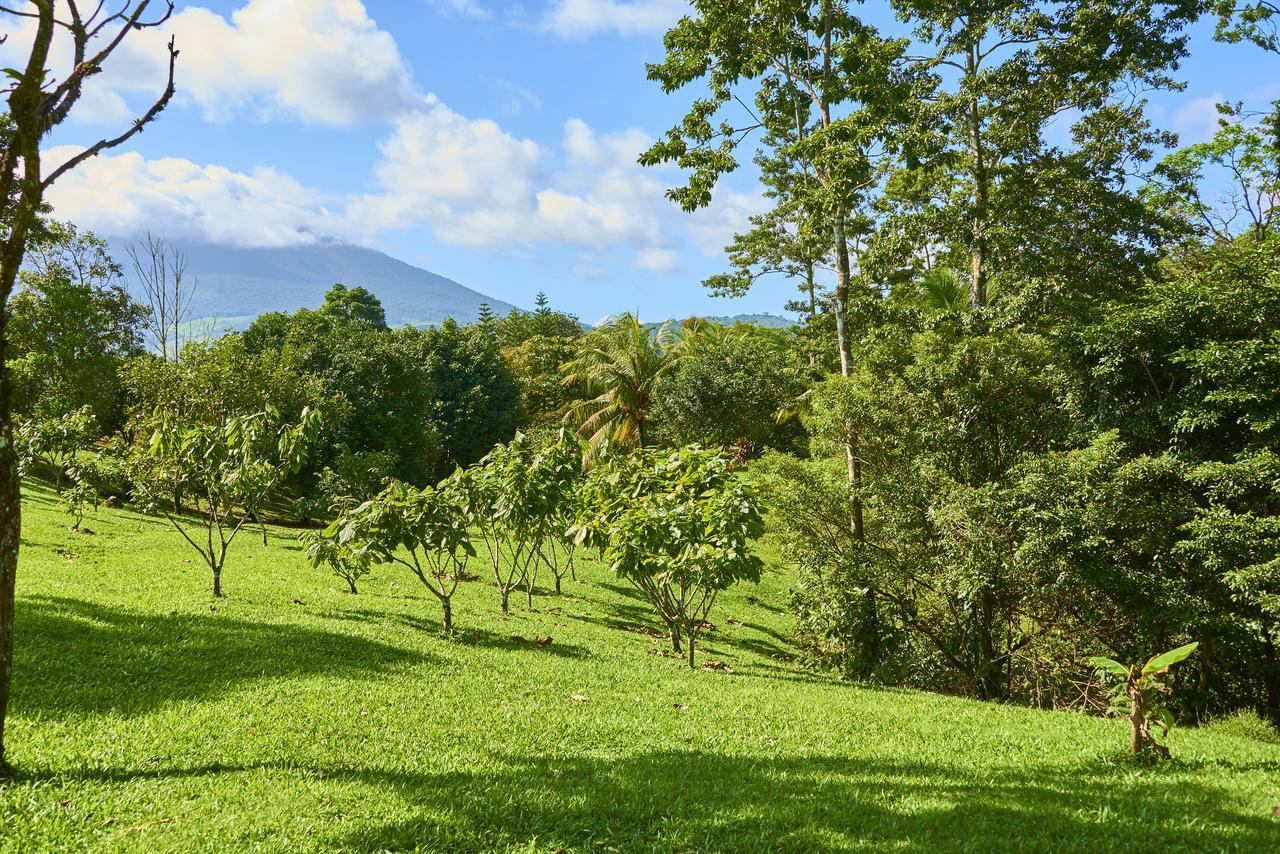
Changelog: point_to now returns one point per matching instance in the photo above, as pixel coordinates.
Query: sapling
(1136, 692)
(232, 468)
(81, 494)
(423, 530)
(508, 504)
(678, 526)
(342, 558)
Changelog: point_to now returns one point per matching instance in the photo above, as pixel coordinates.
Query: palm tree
(942, 289)
(619, 370)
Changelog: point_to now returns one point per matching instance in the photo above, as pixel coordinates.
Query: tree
(71, 326)
(937, 593)
(514, 496)
(728, 386)
(812, 67)
(161, 270)
(476, 399)
(1004, 201)
(57, 441)
(345, 560)
(424, 530)
(618, 368)
(357, 304)
(38, 104)
(233, 467)
(1246, 158)
(678, 526)
(379, 385)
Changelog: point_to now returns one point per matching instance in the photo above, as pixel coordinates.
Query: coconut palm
(619, 369)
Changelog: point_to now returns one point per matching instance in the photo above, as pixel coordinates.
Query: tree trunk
(675, 639)
(10, 528)
(1136, 718)
(557, 585)
(978, 224)
(447, 607)
(691, 651)
(217, 581)
(506, 596)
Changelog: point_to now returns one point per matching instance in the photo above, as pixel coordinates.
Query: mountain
(769, 321)
(237, 284)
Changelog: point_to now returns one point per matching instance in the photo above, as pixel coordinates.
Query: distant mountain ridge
(237, 284)
(769, 321)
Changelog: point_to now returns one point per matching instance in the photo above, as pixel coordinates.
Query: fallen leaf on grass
(579, 698)
(681, 707)
(716, 665)
(538, 640)
(646, 631)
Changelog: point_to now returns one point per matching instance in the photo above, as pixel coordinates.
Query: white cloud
(477, 185)
(578, 18)
(320, 61)
(465, 8)
(124, 195)
(1197, 119)
(656, 260)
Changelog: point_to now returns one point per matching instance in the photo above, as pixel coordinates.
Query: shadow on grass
(465, 634)
(673, 800)
(77, 657)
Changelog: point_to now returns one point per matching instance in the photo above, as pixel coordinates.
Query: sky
(491, 142)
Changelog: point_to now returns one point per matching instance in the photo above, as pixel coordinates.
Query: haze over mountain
(237, 284)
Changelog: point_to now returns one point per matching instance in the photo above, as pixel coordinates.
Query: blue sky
(491, 142)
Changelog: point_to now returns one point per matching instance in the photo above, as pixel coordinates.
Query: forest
(1024, 431)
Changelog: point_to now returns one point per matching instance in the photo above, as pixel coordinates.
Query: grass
(294, 716)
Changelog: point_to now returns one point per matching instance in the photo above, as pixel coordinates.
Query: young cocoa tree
(56, 442)
(229, 469)
(344, 559)
(678, 525)
(558, 471)
(423, 530)
(509, 504)
(38, 103)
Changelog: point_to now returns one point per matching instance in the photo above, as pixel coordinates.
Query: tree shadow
(688, 800)
(699, 801)
(75, 657)
(465, 634)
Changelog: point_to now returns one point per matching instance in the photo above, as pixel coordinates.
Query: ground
(294, 716)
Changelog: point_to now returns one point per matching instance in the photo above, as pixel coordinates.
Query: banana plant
(1136, 693)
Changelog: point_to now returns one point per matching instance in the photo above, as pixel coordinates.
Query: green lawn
(294, 716)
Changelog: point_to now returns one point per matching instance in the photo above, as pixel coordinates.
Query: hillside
(237, 284)
(293, 716)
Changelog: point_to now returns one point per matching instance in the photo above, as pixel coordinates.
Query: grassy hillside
(293, 716)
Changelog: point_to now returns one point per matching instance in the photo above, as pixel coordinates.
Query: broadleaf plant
(1136, 693)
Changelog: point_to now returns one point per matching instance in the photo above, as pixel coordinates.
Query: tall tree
(813, 67)
(37, 104)
(824, 84)
(993, 79)
(71, 326)
(161, 270)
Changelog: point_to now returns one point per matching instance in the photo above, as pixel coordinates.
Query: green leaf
(1108, 665)
(1166, 660)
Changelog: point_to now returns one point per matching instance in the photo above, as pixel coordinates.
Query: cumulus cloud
(320, 61)
(126, 194)
(579, 18)
(1197, 119)
(471, 182)
(477, 185)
